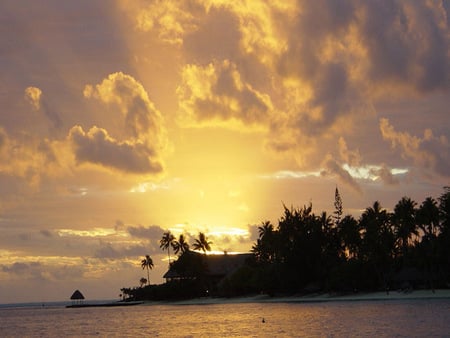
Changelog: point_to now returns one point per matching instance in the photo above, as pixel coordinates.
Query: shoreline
(315, 298)
(309, 298)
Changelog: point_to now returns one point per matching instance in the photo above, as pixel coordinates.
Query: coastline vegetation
(408, 248)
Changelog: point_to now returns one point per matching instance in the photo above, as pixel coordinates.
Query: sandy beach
(322, 297)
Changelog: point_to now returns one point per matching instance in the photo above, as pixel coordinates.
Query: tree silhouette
(378, 241)
(350, 237)
(143, 281)
(147, 263)
(444, 211)
(166, 242)
(202, 243)
(180, 245)
(265, 247)
(404, 222)
(337, 206)
(428, 217)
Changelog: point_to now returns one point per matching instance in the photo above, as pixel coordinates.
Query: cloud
(385, 174)
(270, 66)
(152, 232)
(333, 168)
(96, 146)
(141, 119)
(46, 233)
(28, 158)
(108, 251)
(169, 19)
(406, 42)
(33, 95)
(40, 271)
(253, 230)
(352, 158)
(143, 136)
(216, 37)
(217, 93)
(429, 152)
(20, 268)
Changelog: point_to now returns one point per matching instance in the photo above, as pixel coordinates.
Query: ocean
(393, 318)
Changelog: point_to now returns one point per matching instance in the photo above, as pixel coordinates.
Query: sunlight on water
(422, 318)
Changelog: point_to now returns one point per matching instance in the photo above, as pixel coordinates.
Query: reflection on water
(420, 318)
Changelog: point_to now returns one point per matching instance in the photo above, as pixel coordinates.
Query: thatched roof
(216, 265)
(77, 295)
(222, 265)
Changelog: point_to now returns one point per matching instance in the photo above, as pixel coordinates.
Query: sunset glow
(125, 119)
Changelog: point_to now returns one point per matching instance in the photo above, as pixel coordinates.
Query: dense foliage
(408, 247)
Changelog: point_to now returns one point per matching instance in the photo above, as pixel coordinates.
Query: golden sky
(120, 120)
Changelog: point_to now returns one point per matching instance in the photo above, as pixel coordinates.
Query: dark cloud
(39, 272)
(31, 270)
(46, 233)
(98, 147)
(351, 157)
(152, 232)
(385, 174)
(407, 43)
(333, 168)
(51, 114)
(217, 37)
(254, 232)
(18, 267)
(25, 237)
(110, 251)
(427, 152)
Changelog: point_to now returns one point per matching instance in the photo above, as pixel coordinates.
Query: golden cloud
(169, 19)
(144, 138)
(97, 147)
(217, 94)
(33, 95)
(429, 152)
(28, 159)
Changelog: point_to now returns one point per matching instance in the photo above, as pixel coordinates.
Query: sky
(122, 119)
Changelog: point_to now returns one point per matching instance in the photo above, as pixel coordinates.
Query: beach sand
(323, 297)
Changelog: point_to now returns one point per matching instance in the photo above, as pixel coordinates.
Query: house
(193, 265)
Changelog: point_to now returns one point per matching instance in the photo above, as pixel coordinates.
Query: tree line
(408, 247)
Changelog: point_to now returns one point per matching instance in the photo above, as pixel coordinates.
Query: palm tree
(378, 240)
(404, 221)
(265, 248)
(428, 216)
(180, 246)
(265, 229)
(143, 281)
(167, 241)
(147, 263)
(348, 232)
(202, 243)
(428, 221)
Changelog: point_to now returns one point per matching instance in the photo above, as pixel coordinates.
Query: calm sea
(406, 318)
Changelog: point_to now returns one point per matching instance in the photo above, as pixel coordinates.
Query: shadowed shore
(317, 298)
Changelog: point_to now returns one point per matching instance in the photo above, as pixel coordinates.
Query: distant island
(406, 249)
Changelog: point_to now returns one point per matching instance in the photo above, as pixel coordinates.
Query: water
(406, 318)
